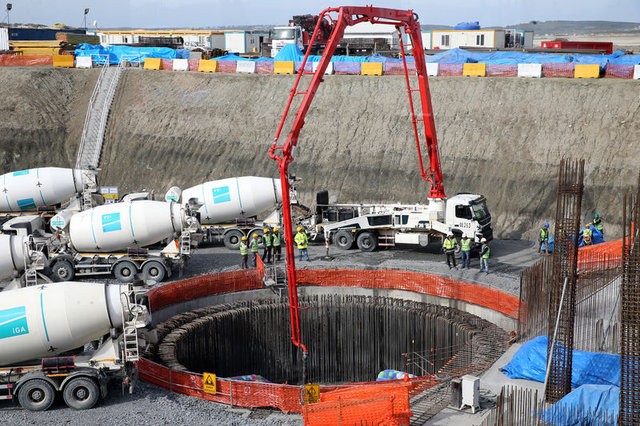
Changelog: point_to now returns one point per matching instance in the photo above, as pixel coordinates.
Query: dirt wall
(501, 137)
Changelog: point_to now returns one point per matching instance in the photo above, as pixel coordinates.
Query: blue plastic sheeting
(250, 378)
(461, 56)
(133, 54)
(231, 57)
(589, 368)
(289, 52)
(588, 405)
(392, 375)
(596, 237)
(626, 60)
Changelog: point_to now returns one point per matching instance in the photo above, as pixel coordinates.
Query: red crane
(346, 15)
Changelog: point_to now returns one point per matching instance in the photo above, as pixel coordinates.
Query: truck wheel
(232, 239)
(367, 241)
(36, 395)
(343, 239)
(125, 271)
(81, 393)
(62, 270)
(154, 270)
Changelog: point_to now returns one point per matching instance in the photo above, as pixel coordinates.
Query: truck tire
(125, 271)
(343, 239)
(232, 239)
(81, 393)
(36, 395)
(62, 270)
(367, 241)
(154, 270)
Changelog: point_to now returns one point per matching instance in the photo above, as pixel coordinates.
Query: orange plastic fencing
(25, 60)
(264, 67)
(434, 285)
(618, 71)
(600, 256)
(226, 66)
(557, 70)
(502, 70)
(450, 70)
(194, 64)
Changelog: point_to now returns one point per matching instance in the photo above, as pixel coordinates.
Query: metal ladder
(33, 261)
(185, 243)
(6, 391)
(130, 343)
(97, 114)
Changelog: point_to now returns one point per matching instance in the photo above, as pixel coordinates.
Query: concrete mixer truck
(43, 332)
(116, 239)
(228, 207)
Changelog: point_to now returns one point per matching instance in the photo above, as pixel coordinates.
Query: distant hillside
(578, 27)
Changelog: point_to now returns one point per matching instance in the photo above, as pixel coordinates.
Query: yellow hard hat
(244, 238)
(255, 235)
(276, 229)
(266, 229)
(299, 228)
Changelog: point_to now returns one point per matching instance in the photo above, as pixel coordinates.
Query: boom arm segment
(347, 16)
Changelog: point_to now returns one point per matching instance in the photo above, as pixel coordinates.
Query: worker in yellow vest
(277, 244)
(544, 238)
(449, 247)
(586, 235)
(597, 223)
(244, 253)
(267, 240)
(302, 241)
(465, 251)
(485, 253)
(253, 248)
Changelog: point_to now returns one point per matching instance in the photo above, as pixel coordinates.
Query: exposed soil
(501, 137)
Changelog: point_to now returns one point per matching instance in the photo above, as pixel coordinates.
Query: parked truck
(43, 333)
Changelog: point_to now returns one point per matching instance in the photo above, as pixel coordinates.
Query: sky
(217, 13)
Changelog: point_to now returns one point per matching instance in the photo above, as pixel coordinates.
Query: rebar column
(630, 314)
(565, 260)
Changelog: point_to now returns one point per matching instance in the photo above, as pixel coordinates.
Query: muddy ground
(501, 137)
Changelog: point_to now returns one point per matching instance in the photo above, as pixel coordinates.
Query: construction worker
(253, 247)
(586, 235)
(544, 238)
(277, 244)
(485, 253)
(302, 241)
(449, 247)
(465, 251)
(597, 223)
(267, 240)
(244, 253)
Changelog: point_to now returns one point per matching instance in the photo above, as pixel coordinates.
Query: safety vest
(253, 245)
(465, 244)
(301, 240)
(486, 251)
(597, 223)
(544, 234)
(244, 250)
(276, 240)
(586, 236)
(266, 239)
(449, 243)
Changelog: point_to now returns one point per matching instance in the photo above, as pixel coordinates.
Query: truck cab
(286, 35)
(467, 214)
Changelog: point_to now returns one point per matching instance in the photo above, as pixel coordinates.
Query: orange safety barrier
(194, 64)
(25, 60)
(264, 67)
(167, 64)
(434, 285)
(599, 256)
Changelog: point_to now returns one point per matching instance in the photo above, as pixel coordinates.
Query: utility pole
(9, 7)
(86, 12)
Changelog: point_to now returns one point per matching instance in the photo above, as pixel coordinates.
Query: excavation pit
(350, 339)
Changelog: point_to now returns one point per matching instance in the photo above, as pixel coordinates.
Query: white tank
(231, 198)
(173, 194)
(46, 320)
(26, 190)
(61, 220)
(11, 258)
(114, 227)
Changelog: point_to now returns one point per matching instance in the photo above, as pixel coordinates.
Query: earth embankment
(501, 137)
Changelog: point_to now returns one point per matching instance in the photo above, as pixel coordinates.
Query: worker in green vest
(302, 241)
(485, 253)
(277, 244)
(253, 248)
(267, 240)
(597, 223)
(244, 253)
(449, 247)
(544, 238)
(586, 235)
(465, 251)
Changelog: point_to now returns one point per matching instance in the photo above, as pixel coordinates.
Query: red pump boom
(346, 16)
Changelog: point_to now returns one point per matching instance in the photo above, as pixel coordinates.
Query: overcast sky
(216, 13)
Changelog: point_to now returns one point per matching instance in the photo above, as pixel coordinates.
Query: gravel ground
(152, 405)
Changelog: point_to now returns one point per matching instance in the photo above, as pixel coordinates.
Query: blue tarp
(596, 238)
(289, 52)
(588, 405)
(589, 368)
(392, 375)
(133, 54)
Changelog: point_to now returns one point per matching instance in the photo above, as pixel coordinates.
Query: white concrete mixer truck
(228, 207)
(43, 332)
(116, 239)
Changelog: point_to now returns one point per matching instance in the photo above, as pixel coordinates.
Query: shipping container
(601, 46)
(4, 39)
(23, 34)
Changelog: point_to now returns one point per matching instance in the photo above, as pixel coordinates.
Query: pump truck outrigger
(434, 212)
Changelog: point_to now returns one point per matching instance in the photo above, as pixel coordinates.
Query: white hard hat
(484, 240)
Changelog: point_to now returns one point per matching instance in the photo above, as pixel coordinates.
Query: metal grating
(563, 291)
